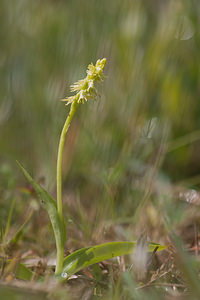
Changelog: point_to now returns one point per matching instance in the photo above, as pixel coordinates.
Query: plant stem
(60, 251)
(59, 260)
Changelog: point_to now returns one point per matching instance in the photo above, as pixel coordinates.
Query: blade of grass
(187, 266)
(8, 224)
(19, 232)
(184, 141)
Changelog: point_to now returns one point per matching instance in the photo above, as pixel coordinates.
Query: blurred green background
(148, 113)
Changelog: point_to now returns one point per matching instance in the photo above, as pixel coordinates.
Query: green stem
(59, 260)
(60, 250)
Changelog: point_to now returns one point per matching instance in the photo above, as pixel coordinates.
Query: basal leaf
(87, 256)
(50, 205)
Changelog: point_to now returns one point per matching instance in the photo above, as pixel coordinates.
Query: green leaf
(23, 272)
(88, 256)
(20, 270)
(50, 205)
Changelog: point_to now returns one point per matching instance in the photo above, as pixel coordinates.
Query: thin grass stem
(8, 224)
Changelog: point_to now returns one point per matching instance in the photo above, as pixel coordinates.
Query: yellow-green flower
(85, 88)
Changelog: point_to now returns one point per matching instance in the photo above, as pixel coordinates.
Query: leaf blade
(85, 257)
(50, 205)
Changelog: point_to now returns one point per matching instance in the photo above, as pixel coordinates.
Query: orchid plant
(84, 90)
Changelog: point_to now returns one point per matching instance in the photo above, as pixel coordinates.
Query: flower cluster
(85, 88)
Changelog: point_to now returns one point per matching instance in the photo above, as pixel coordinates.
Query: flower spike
(85, 88)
